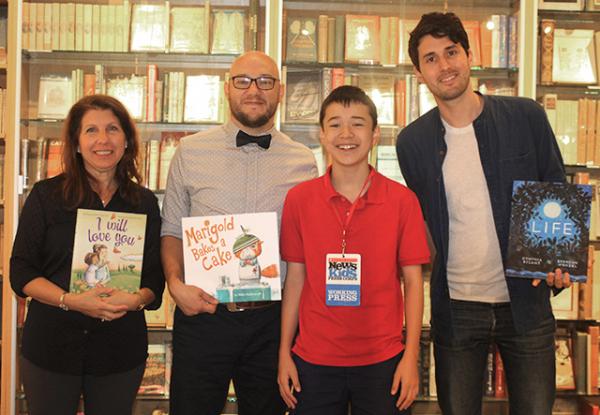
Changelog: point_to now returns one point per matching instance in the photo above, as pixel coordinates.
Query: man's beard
(255, 122)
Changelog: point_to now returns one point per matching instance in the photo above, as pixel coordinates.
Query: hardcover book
(234, 258)
(362, 39)
(108, 250)
(303, 96)
(301, 39)
(55, 97)
(228, 31)
(189, 29)
(549, 229)
(149, 27)
(573, 59)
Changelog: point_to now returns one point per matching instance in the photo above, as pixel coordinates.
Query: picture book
(234, 258)
(108, 250)
(549, 228)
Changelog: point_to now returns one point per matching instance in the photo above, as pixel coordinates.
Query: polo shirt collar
(376, 193)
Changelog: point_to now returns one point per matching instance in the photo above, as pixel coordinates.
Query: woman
(93, 343)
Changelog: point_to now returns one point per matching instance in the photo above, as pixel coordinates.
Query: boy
(345, 236)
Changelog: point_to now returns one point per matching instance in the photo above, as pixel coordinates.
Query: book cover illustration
(108, 250)
(549, 228)
(234, 258)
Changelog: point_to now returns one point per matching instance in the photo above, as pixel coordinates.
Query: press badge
(342, 283)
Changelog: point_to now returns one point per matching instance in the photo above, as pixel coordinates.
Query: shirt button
(347, 213)
(85, 332)
(442, 152)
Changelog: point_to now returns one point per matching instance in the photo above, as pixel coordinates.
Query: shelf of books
(155, 55)
(568, 86)
(366, 44)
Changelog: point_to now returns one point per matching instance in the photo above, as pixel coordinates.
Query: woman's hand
(94, 303)
(120, 297)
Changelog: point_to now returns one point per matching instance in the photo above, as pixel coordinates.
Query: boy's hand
(556, 279)
(287, 378)
(406, 378)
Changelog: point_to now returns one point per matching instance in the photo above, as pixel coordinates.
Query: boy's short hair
(437, 25)
(346, 95)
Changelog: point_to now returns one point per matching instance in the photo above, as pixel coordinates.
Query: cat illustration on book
(97, 271)
(247, 248)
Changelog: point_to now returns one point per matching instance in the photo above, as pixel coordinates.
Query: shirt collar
(375, 194)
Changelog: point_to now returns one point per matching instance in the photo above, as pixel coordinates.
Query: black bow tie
(262, 140)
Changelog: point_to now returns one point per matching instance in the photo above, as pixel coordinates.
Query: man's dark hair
(437, 25)
(347, 95)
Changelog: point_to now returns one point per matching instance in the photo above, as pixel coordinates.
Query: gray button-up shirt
(209, 175)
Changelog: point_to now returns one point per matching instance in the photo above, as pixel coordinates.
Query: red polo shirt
(388, 231)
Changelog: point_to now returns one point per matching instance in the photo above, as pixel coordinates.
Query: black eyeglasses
(262, 82)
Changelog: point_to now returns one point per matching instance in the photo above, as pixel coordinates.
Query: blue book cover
(549, 228)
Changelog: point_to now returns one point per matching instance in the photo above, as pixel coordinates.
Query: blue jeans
(330, 390)
(460, 361)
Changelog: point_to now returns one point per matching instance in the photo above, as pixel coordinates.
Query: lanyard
(345, 224)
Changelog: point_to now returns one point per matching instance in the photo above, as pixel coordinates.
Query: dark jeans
(460, 362)
(327, 390)
(211, 349)
(51, 393)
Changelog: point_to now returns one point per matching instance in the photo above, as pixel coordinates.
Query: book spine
(326, 82)
(339, 39)
(158, 102)
(47, 26)
(330, 39)
(322, 39)
(593, 359)
(582, 132)
(393, 40)
(79, 26)
(486, 44)
(96, 27)
(87, 26)
(100, 87)
(151, 77)
(513, 41)
(546, 50)
(499, 378)
(252, 23)
(591, 133)
(503, 41)
(26, 25)
(153, 159)
(55, 26)
(337, 77)
(580, 341)
(384, 35)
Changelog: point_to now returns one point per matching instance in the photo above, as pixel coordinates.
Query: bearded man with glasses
(243, 166)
